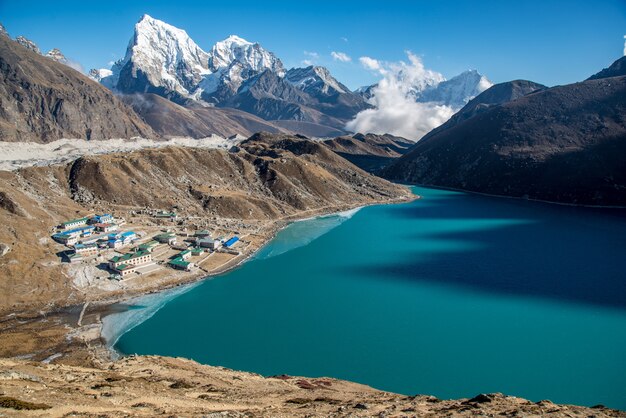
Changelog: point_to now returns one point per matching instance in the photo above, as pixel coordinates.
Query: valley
(199, 221)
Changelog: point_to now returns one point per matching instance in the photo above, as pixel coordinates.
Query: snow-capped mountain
(316, 81)
(457, 91)
(28, 44)
(160, 58)
(56, 55)
(3, 30)
(163, 59)
(434, 88)
(233, 61)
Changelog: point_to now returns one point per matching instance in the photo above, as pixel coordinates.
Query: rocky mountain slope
(265, 179)
(371, 152)
(563, 144)
(159, 386)
(169, 119)
(43, 100)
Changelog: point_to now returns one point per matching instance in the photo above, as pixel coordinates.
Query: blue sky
(548, 41)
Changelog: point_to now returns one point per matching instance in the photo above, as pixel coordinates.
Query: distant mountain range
(564, 144)
(163, 60)
(241, 86)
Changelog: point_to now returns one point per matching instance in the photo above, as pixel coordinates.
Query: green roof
(148, 245)
(128, 256)
(184, 252)
(124, 267)
(179, 262)
(197, 250)
(165, 235)
(165, 214)
(73, 221)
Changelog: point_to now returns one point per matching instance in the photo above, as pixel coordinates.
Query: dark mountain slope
(564, 144)
(370, 152)
(42, 100)
(495, 95)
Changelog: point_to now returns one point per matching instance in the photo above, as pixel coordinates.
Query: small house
(166, 238)
(134, 259)
(125, 269)
(185, 255)
(101, 219)
(74, 223)
(180, 264)
(128, 237)
(106, 227)
(86, 250)
(231, 242)
(115, 243)
(148, 246)
(203, 233)
(209, 243)
(166, 215)
(65, 239)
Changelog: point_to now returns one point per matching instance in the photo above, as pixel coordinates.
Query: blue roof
(127, 233)
(231, 241)
(72, 231)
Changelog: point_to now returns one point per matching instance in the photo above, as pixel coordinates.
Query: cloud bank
(395, 109)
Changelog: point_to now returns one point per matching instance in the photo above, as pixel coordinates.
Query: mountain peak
(315, 79)
(3, 30)
(234, 39)
(56, 55)
(27, 43)
(457, 91)
(250, 56)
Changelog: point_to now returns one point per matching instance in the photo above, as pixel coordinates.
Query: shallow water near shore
(450, 295)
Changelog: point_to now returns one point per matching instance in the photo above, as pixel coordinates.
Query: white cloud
(340, 56)
(307, 63)
(395, 109)
(313, 55)
(625, 45)
(75, 65)
(370, 63)
(343, 38)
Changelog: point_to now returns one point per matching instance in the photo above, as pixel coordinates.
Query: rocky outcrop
(155, 386)
(42, 100)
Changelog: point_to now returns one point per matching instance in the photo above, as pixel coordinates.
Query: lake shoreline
(85, 339)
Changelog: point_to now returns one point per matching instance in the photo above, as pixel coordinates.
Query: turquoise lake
(451, 295)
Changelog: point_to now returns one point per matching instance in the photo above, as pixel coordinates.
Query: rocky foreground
(157, 386)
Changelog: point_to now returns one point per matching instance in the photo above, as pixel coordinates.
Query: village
(150, 241)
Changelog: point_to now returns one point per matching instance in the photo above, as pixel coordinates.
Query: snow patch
(30, 154)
